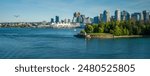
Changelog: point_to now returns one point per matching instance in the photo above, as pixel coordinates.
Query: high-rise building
(44, 23)
(149, 16)
(78, 18)
(101, 17)
(146, 15)
(125, 15)
(69, 20)
(52, 20)
(106, 16)
(141, 16)
(137, 16)
(96, 19)
(117, 15)
(88, 20)
(65, 20)
(112, 18)
(57, 19)
(76, 14)
(62, 21)
(83, 18)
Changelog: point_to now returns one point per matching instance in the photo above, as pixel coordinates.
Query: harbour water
(46, 43)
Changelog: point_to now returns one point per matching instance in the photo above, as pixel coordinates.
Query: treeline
(118, 28)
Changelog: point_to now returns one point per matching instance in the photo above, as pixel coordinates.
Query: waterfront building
(64, 25)
(79, 19)
(69, 20)
(76, 14)
(117, 15)
(76, 17)
(146, 15)
(62, 21)
(52, 20)
(106, 16)
(57, 19)
(83, 18)
(65, 20)
(43, 23)
(88, 20)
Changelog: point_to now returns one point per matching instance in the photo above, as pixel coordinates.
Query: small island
(116, 29)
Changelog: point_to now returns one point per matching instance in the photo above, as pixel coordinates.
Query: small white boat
(75, 29)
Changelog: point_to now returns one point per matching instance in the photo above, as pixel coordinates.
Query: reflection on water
(60, 43)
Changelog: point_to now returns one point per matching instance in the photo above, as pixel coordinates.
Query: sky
(44, 10)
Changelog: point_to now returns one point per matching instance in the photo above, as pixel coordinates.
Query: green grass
(102, 34)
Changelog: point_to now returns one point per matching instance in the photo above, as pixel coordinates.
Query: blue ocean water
(47, 43)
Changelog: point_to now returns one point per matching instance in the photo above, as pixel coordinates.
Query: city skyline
(40, 10)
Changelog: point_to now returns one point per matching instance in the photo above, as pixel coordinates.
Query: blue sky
(40, 10)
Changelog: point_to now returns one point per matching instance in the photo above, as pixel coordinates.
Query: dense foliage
(118, 28)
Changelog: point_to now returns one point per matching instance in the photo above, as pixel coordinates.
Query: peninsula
(116, 29)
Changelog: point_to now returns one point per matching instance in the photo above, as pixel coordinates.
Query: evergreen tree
(89, 29)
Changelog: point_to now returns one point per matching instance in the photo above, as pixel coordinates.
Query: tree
(89, 29)
(129, 27)
(82, 32)
(95, 26)
(117, 31)
(107, 27)
(101, 27)
(125, 31)
(112, 31)
(100, 30)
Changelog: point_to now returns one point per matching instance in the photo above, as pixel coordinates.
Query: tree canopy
(117, 28)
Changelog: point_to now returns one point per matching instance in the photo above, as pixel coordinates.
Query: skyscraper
(77, 17)
(88, 20)
(149, 16)
(112, 18)
(106, 16)
(141, 16)
(69, 20)
(117, 15)
(83, 18)
(96, 19)
(65, 20)
(76, 14)
(146, 15)
(57, 19)
(137, 16)
(52, 20)
(125, 15)
(101, 17)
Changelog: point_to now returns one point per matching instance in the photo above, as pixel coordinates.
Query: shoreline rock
(108, 36)
(129, 36)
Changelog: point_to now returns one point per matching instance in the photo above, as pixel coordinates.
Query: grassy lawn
(100, 34)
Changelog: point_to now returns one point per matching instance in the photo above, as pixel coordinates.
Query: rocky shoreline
(107, 35)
